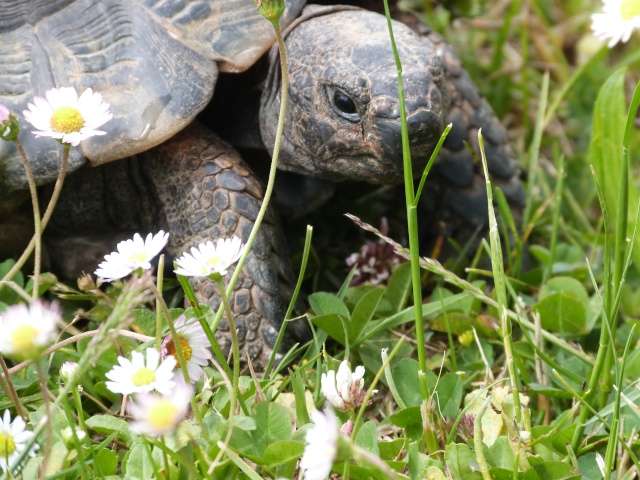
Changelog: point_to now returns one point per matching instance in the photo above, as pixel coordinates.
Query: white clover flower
(207, 259)
(195, 348)
(67, 370)
(13, 440)
(66, 117)
(160, 414)
(134, 376)
(344, 390)
(322, 445)
(617, 22)
(27, 330)
(132, 255)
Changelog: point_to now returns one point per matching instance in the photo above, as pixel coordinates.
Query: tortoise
(157, 63)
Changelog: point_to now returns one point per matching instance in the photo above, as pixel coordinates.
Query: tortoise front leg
(206, 192)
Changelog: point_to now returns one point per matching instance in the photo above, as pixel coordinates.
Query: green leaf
(405, 417)
(105, 462)
(449, 394)
(363, 312)
(334, 325)
(324, 303)
(458, 458)
(367, 438)
(281, 452)
(563, 306)
(8, 295)
(299, 392)
(551, 471)
(399, 287)
(405, 375)
(605, 150)
(137, 463)
(562, 313)
(108, 424)
(145, 320)
(272, 424)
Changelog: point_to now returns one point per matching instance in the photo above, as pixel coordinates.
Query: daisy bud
(67, 370)
(9, 126)
(272, 10)
(67, 435)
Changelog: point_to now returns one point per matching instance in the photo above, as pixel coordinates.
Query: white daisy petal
(64, 116)
(207, 259)
(195, 348)
(14, 438)
(27, 330)
(322, 445)
(617, 22)
(158, 415)
(139, 376)
(131, 255)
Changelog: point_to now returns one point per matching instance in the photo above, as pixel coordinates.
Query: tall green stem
(37, 224)
(235, 348)
(45, 218)
(272, 171)
(414, 248)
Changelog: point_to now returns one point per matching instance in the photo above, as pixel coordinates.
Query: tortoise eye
(345, 106)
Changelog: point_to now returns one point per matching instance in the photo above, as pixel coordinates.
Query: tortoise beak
(424, 128)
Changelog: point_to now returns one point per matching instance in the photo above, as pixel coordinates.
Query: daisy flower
(136, 376)
(27, 330)
(618, 20)
(195, 348)
(344, 390)
(322, 445)
(64, 116)
(160, 414)
(13, 440)
(132, 255)
(209, 260)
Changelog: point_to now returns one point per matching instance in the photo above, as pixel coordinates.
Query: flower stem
(7, 386)
(45, 218)
(47, 409)
(176, 343)
(37, 224)
(235, 348)
(159, 278)
(284, 95)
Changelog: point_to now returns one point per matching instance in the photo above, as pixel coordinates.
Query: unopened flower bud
(272, 10)
(67, 370)
(67, 436)
(9, 126)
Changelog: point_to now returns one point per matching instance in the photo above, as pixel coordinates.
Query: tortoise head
(343, 116)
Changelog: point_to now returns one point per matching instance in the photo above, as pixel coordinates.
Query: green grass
(527, 370)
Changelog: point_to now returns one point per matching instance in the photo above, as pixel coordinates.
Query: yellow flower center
(139, 257)
(66, 120)
(7, 445)
(144, 376)
(629, 9)
(186, 350)
(162, 414)
(213, 262)
(23, 339)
